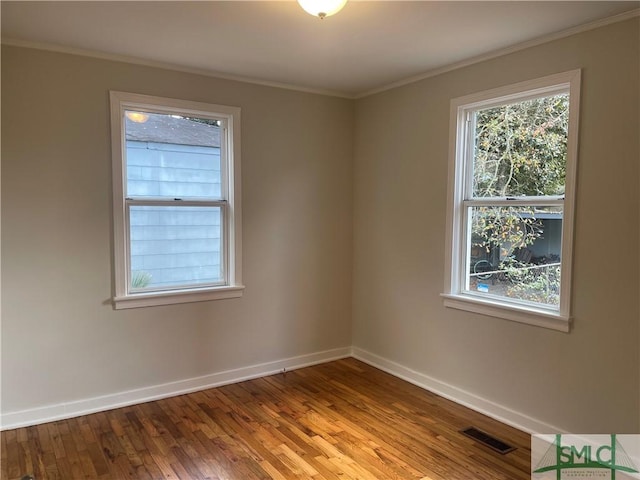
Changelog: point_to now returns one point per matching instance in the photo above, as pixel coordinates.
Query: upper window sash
(467, 125)
(224, 149)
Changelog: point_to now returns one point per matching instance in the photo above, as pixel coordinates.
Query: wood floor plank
(343, 420)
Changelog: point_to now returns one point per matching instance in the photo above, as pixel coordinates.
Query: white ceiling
(365, 47)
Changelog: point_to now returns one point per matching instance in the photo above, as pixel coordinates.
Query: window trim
(454, 296)
(230, 169)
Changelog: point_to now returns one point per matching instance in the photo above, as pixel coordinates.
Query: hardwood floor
(340, 420)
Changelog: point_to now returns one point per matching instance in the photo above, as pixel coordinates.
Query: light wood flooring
(340, 420)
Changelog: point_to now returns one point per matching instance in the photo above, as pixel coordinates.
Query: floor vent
(486, 439)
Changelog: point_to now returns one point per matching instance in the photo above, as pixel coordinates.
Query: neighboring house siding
(178, 244)
(550, 243)
(157, 169)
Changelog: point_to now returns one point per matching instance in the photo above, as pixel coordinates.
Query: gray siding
(168, 170)
(175, 245)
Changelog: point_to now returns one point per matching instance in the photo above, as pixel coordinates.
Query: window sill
(150, 299)
(530, 316)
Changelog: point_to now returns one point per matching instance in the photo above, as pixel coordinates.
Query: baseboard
(482, 405)
(49, 413)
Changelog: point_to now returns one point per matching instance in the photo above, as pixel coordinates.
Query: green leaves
(521, 148)
(515, 226)
(140, 279)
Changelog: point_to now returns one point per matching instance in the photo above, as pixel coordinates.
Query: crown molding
(51, 47)
(327, 92)
(505, 51)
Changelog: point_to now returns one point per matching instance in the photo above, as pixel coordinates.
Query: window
(176, 196)
(511, 193)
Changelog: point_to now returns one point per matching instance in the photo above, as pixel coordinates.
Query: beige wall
(315, 169)
(61, 339)
(585, 381)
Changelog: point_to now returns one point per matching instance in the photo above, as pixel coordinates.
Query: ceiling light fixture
(137, 117)
(322, 8)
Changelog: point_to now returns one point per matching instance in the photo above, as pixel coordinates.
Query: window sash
(224, 240)
(464, 253)
(224, 151)
(468, 123)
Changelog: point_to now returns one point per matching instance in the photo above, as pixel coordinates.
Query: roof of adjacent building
(173, 129)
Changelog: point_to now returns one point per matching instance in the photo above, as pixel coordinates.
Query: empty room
(320, 240)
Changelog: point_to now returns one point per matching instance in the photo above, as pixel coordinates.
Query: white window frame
(232, 287)
(454, 295)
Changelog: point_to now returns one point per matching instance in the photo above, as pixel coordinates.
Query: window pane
(521, 148)
(514, 252)
(175, 246)
(172, 156)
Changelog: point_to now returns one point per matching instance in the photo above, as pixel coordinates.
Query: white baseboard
(60, 411)
(482, 405)
(49, 413)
